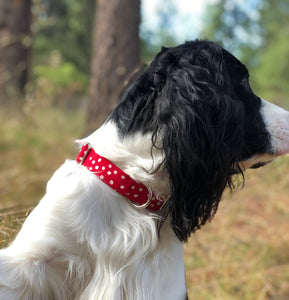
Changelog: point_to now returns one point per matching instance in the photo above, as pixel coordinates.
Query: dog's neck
(134, 155)
(140, 195)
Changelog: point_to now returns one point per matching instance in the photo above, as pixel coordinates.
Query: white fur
(85, 241)
(276, 120)
(277, 123)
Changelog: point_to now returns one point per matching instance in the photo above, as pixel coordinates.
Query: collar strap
(138, 193)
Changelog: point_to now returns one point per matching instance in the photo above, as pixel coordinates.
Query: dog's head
(196, 103)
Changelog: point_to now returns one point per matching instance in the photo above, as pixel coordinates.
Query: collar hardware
(140, 195)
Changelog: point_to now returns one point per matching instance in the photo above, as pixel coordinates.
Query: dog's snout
(276, 120)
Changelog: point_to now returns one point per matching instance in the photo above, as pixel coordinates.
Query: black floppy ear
(195, 124)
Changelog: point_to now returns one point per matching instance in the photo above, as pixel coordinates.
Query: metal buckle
(148, 202)
(85, 153)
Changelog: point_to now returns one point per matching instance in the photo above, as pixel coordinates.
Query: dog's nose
(276, 120)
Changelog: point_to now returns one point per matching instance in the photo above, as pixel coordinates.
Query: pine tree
(116, 54)
(15, 45)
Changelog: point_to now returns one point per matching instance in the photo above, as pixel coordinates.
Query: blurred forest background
(63, 64)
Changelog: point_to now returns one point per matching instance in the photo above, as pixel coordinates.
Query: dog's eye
(245, 82)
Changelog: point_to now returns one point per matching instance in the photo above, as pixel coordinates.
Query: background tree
(116, 53)
(257, 32)
(235, 25)
(272, 71)
(15, 46)
(153, 40)
(65, 26)
(62, 46)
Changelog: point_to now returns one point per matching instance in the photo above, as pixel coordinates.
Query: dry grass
(31, 148)
(10, 222)
(242, 254)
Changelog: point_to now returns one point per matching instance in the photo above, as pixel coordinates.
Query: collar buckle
(85, 153)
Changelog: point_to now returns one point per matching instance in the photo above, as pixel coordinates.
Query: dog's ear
(195, 124)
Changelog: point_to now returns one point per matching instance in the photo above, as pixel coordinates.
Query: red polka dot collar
(139, 194)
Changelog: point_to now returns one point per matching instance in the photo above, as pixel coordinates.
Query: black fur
(195, 98)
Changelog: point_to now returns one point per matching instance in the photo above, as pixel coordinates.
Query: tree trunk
(15, 45)
(116, 54)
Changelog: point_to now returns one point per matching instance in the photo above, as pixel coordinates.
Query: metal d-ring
(148, 202)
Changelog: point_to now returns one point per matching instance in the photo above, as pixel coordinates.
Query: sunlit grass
(242, 254)
(31, 148)
(10, 222)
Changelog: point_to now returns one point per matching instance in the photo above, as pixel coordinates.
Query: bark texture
(15, 46)
(116, 54)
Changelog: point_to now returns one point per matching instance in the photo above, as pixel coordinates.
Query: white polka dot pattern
(118, 180)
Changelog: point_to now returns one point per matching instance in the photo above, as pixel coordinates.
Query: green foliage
(63, 28)
(272, 72)
(234, 24)
(58, 76)
(257, 32)
(66, 26)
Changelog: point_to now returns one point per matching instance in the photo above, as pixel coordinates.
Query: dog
(113, 222)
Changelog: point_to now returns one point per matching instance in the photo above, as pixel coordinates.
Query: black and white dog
(112, 223)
